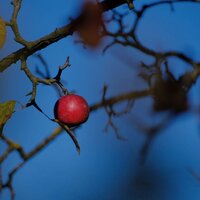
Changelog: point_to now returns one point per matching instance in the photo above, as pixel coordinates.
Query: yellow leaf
(6, 111)
(2, 33)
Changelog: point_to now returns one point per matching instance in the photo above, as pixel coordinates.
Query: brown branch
(31, 47)
(140, 13)
(6, 153)
(13, 23)
(11, 147)
(28, 156)
(58, 130)
(8, 184)
(44, 143)
(109, 4)
(120, 98)
(112, 113)
(52, 37)
(135, 43)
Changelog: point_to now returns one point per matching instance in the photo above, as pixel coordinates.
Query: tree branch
(52, 37)
(58, 131)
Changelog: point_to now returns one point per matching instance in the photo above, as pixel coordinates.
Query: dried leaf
(90, 24)
(2, 33)
(170, 95)
(6, 111)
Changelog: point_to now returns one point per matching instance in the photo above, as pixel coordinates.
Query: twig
(51, 38)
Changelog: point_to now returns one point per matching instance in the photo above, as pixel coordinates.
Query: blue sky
(107, 169)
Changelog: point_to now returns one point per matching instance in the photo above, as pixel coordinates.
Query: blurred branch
(130, 38)
(44, 63)
(27, 156)
(194, 174)
(151, 132)
(168, 89)
(112, 113)
(168, 95)
(120, 98)
(43, 42)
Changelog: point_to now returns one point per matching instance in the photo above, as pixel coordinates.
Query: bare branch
(13, 23)
(51, 38)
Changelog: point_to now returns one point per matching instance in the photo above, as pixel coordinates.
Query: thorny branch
(157, 86)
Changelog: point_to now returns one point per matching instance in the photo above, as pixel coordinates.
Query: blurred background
(107, 168)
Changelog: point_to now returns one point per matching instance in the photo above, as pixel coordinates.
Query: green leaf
(6, 111)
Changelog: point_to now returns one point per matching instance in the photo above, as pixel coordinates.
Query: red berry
(71, 110)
